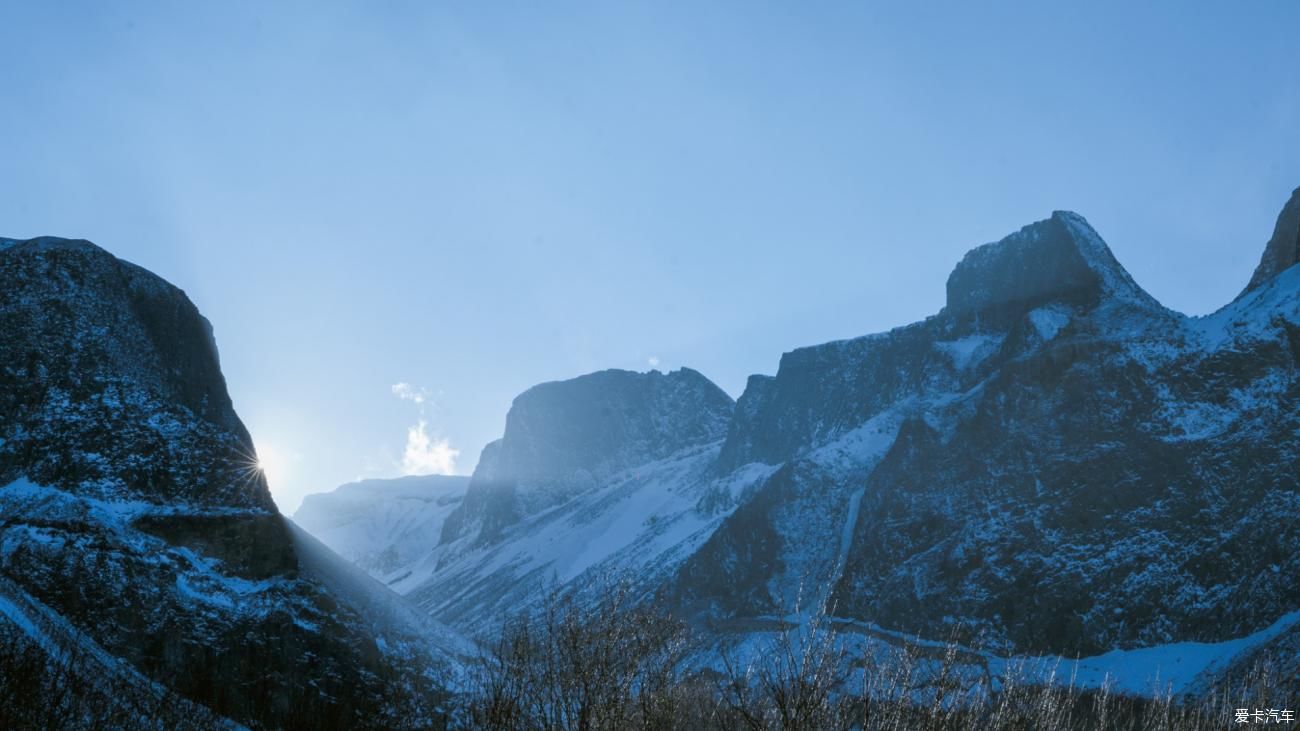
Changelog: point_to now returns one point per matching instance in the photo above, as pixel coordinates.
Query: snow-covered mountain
(135, 526)
(384, 526)
(1054, 462)
(1057, 462)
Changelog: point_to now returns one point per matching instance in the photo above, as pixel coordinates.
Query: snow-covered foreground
(1177, 669)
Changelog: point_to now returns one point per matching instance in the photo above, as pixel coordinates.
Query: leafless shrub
(617, 665)
(575, 666)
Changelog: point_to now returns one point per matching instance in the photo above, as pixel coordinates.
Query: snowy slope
(384, 526)
(643, 520)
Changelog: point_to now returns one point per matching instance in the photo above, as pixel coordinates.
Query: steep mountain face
(1283, 249)
(384, 526)
(563, 439)
(1054, 462)
(132, 511)
(601, 471)
(1045, 272)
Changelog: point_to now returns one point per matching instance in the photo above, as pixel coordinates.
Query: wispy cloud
(653, 361)
(407, 392)
(424, 454)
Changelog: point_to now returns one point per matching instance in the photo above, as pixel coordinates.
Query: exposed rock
(1283, 249)
(1082, 474)
(564, 438)
(132, 510)
(1061, 259)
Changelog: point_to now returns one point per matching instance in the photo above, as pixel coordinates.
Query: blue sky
(471, 198)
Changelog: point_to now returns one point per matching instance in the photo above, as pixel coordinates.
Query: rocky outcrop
(110, 383)
(1283, 250)
(564, 438)
(1059, 260)
(1003, 298)
(132, 509)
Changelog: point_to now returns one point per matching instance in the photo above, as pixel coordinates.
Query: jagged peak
(1283, 250)
(1061, 258)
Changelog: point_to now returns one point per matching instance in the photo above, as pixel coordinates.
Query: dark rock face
(229, 538)
(1283, 249)
(131, 507)
(113, 376)
(1058, 260)
(821, 391)
(1052, 268)
(1039, 264)
(604, 422)
(1055, 462)
(1070, 507)
(563, 438)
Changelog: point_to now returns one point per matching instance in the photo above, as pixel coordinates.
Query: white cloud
(407, 392)
(654, 361)
(425, 455)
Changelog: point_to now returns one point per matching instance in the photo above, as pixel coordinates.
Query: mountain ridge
(867, 466)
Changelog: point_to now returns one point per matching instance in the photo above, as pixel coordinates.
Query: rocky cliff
(565, 438)
(133, 512)
(1054, 462)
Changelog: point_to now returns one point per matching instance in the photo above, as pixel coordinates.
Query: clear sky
(471, 198)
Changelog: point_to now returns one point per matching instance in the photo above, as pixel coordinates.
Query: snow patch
(1048, 321)
(1145, 671)
(862, 446)
(1252, 316)
(1198, 420)
(970, 350)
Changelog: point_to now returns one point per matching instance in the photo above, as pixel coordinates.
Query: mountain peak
(1283, 250)
(596, 422)
(1059, 259)
(564, 437)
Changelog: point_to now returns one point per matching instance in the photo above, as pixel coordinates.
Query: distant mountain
(384, 526)
(1055, 463)
(135, 525)
(564, 439)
